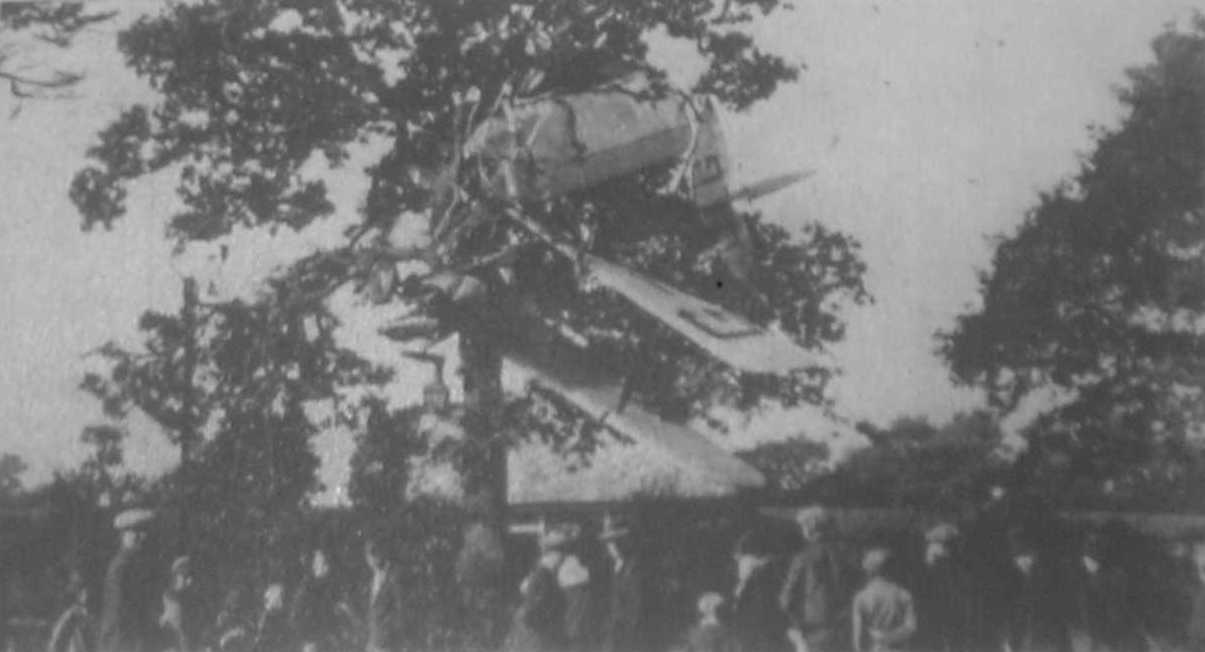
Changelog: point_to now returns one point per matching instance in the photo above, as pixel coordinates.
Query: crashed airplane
(547, 146)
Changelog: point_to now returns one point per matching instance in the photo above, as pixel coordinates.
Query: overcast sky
(931, 125)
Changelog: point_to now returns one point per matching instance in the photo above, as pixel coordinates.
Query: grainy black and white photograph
(602, 325)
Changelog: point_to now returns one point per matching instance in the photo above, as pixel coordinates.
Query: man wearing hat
(127, 622)
(540, 619)
(624, 626)
(180, 618)
(1102, 620)
(818, 587)
(757, 620)
(945, 602)
(1036, 618)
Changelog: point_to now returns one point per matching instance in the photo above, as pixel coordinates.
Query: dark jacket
(539, 622)
(272, 633)
(946, 607)
(712, 637)
(624, 627)
(581, 617)
(127, 622)
(315, 617)
(757, 619)
(1036, 614)
(384, 616)
(1102, 614)
(818, 591)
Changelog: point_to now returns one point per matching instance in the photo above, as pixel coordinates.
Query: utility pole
(188, 426)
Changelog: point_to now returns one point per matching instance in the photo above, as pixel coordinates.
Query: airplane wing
(594, 389)
(725, 335)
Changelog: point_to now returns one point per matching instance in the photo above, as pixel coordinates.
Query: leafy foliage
(235, 378)
(913, 464)
(39, 22)
(11, 469)
(251, 93)
(791, 465)
(1101, 294)
(379, 467)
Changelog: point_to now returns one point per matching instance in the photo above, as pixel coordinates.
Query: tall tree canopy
(250, 93)
(1100, 294)
(229, 383)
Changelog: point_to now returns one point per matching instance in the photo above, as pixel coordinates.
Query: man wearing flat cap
(127, 622)
(180, 619)
(539, 622)
(758, 622)
(818, 588)
(945, 602)
(624, 627)
(1102, 619)
(1036, 608)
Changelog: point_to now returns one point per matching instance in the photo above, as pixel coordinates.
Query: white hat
(182, 565)
(814, 518)
(942, 533)
(132, 519)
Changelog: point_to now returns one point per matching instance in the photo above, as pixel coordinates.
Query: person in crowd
(818, 586)
(988, 559)
(179, 618)
(1035, 614)
(481, 571)
(74, 630)
(946, 608)
(574, 579)
(539, 622)
(624, 629)
(710, 633)
(883, 616)
(317, 614)
(272, 630)
(757, 620)
(384, 621)
(1102, 620)
(232, 629)
(127, 622)
(1195, 629)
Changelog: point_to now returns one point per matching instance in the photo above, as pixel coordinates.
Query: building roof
(619, 471)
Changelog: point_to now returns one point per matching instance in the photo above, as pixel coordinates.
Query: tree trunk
(188, 433)
(481, 565)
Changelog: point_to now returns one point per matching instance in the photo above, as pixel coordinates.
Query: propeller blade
(769, 186)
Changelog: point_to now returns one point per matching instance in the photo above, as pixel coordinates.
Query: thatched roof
(657, 464)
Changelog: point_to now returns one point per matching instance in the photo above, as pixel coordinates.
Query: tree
(380, 474)
(101, 477)
(26, 24)
(12, 467)
(914, 464)
(1100, 295)
(237, 377)
(251, 92)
